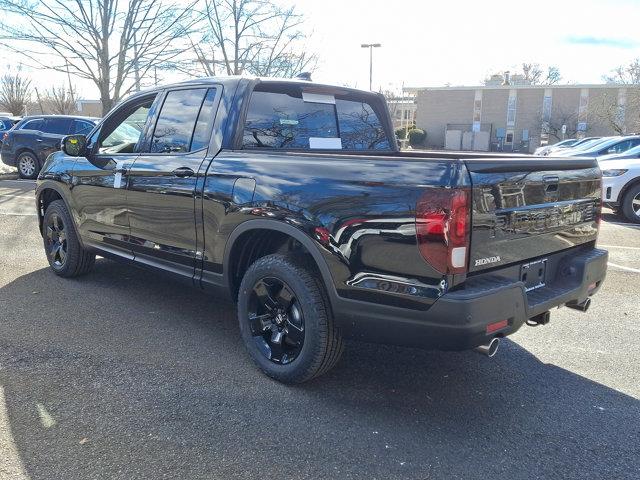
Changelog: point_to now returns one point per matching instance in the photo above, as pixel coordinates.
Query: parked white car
(543, 151)
(621, 183)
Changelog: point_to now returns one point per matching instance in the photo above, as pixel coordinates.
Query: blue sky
(432, 43)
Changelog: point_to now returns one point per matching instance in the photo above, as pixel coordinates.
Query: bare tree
(625, 74)
(112, 43)
(559, 117)
(532, 74)
(628, 115)
(15, 93)
(60, 100)
(252, 36)
(537, 75)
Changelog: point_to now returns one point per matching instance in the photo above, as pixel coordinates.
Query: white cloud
(459, 42)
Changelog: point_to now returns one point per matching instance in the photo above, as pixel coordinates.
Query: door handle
(38, 139)
(183, 172)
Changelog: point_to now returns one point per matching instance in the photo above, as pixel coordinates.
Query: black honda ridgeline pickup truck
(293, 198)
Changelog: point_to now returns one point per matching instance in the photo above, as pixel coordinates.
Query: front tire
(285, 319)
(631, 204)
(28, 166)
(66, 256)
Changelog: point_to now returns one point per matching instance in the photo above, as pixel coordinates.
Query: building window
(511, 111)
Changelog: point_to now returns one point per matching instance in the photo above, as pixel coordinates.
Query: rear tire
(285, 319)
(28, 165)
(66, 256)
(631, 204)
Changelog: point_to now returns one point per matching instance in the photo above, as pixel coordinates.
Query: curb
(8, 176)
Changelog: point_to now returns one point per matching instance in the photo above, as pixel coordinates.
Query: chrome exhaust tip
(583, 307)
(490, 349)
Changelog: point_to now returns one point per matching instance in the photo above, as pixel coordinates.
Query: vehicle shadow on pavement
(123, 374)
(609, 216)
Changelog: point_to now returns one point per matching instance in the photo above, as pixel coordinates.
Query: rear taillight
(442, 228)
(5, 137)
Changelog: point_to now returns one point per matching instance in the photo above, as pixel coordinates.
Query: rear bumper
(458, 320)
(8, 158)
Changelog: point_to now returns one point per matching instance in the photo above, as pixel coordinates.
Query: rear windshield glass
(284, 117)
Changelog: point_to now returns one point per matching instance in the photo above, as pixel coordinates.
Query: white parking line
(619, 246)
(17, 214)
(19, 182)
(622, 267)
(622, 224)
(27, 197)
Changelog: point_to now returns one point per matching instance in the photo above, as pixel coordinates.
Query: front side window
(124, 132)
(286, 116)
(35, 124)
(177, 121)
(57, 126)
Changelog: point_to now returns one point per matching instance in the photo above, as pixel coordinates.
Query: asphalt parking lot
(122, 375)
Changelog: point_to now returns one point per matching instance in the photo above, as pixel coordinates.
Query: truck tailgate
(526, 208)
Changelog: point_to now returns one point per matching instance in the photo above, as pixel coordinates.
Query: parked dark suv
(28, 144)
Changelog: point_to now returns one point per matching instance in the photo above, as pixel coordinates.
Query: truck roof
(79, 117)
(233, 81)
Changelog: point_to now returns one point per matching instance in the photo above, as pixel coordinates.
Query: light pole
(371, 46)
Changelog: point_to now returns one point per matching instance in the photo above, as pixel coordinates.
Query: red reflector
(494, 327)
(592, 287)
(323, 235)
(442, 228)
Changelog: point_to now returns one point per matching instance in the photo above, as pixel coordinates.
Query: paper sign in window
(318, 98)
(332, 143)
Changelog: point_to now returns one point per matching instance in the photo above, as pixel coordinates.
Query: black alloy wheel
(56, 240)
(65, 254)
(276, 320)
(285, 318)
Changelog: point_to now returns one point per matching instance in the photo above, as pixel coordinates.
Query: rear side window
(177, 121)
(206, 117)
(282, 116)
(57, 126)
(360, 127)
(81, 127)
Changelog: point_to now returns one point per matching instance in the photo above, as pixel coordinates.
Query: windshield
(587, 141)
(566, 143)
(600, 144)
(631, 152)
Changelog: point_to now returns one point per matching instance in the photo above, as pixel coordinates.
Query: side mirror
(74, 145)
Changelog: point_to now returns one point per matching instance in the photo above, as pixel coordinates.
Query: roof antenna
(306, 76)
